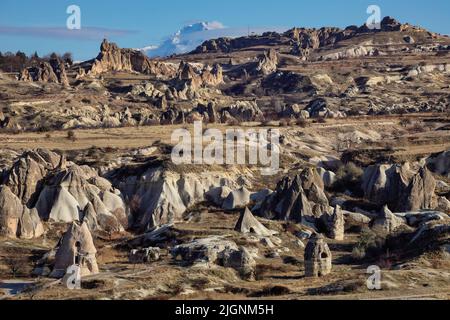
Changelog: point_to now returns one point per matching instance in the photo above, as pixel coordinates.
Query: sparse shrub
(232, 122)
(48, 136)
(283, 123)
(405, 122)
(321, 120)
(44, 128)
(302, 123)
(348, 177)
(16, 265)
(369, 245)
(272, 291)
(418, 128)
(71, 135)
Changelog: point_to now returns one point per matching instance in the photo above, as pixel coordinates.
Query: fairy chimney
(317, 257)
(76, 248)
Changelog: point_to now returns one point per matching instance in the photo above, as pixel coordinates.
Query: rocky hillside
(300, 74)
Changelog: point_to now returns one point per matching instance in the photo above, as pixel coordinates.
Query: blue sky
(35, 25)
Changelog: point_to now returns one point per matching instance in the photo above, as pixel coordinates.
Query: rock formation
(299, 198)
(218, 195)
(163, 195)
(336, 224)
(50, 189)
(206, 77)
(302, 39)
(113, 58)
(145, 255)
(247, 223)
(237, 199)
(53, 71)
(440, 163)
(320, 108)
(288, 82)
(242, 111)
(318, 259)
(328, 177)
(386, 222)
(217, 251)
(242, 261)
(16, 220)
(76, 248)
(401, 187)
(267, 63)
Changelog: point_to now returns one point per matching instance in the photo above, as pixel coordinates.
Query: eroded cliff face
(300, 198)
(303, 39)
(53, 71)
(113, 58)
(157, 195)
(402, 187)
(42, 186)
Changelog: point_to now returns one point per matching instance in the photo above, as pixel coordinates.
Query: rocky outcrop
(16, 220)
(161, 196)
(386, 222)
(212, 76)
(351, 53)
(242, 111)
(401, 187)
(208, 112)
(288, 82)
(336, 225)
(267, 63)
(206, 77)
(26, 175)
(299, 198)
(76, 194)
(237, 199)
(50, 189)
(390, 24)
(218, 195)
(53, 71)
(440, 163)
(328, 177)
(217, 251)
(242, 261)
(302, 40)
(318, 259)
(146, 255)
(321, 108)
(247, 223)
(76, 247)
(112, 58)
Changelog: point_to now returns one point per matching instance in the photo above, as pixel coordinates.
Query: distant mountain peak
(184, 40)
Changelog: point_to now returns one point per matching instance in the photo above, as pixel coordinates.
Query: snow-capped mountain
(185, 40)
(193, 35)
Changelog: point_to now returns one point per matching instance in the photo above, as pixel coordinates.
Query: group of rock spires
(207, 77)
(42, 186)
(113, 58)
(302, 40)
(53, 71)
